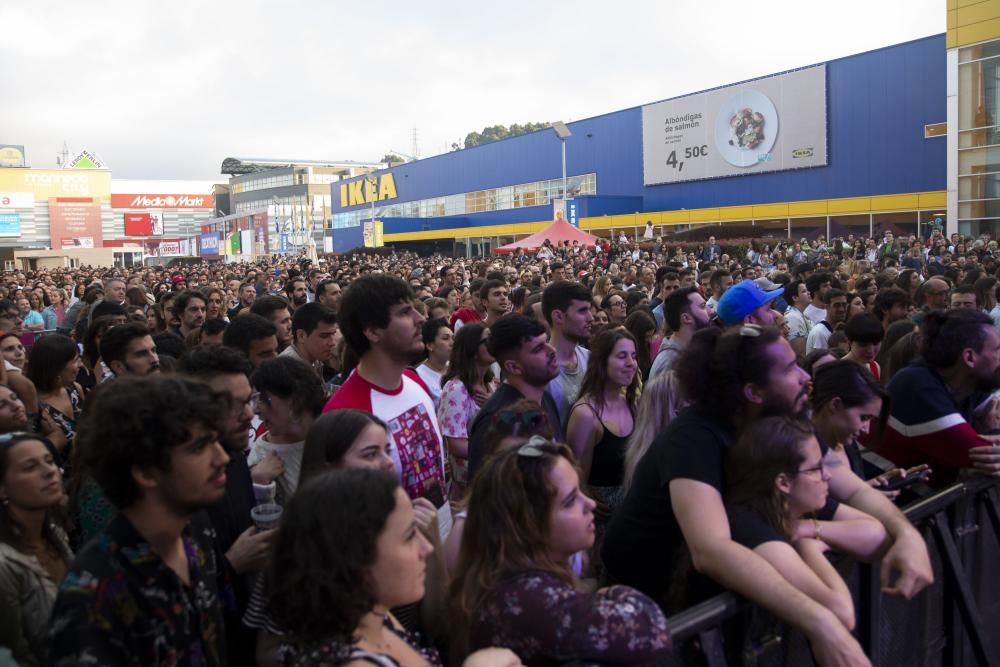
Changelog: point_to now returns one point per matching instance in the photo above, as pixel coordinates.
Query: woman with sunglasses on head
(349, 550)
(466, 386)
(514, 587)
(512, 426)
(34, 551)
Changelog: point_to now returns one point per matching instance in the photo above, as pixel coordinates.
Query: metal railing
(955, 621)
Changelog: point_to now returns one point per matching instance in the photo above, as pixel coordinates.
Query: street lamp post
(563, 133)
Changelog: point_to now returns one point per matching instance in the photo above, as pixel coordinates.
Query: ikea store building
(859, 145)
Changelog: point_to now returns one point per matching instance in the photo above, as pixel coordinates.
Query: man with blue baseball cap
(746, 303)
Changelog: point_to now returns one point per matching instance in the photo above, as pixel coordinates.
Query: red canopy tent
(556, 233)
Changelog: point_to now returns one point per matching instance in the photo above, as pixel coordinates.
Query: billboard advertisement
(47, 183)
(138, 224)
(770, 124)
(10, 224)
(11, 155)
(75, 222)
(161, 201)
(209, 244)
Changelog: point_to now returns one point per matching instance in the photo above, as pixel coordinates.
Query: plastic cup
(266, 516)
(264, 494)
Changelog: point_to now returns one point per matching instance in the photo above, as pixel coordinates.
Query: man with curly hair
(151, 588)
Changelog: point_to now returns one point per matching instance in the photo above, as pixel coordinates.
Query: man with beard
(191, 308)
(226, 371)
(276, 309)
(936, 400)
(247, 295)
(566, 306)
(152, 445)
(128, 349)
(379, 322)
(528, 363)
(733, 378)
(747, 303)
(328, 294)
(686, 312)
(298, 295)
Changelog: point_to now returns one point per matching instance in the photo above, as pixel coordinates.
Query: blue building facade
(884, 167)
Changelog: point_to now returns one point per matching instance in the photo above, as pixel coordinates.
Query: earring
(5, 501)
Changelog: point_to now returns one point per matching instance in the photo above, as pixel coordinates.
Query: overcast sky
(169, 89)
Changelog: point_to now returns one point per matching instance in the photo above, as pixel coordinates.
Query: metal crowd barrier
(953, 622)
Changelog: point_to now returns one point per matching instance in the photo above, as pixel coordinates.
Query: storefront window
(979, 137)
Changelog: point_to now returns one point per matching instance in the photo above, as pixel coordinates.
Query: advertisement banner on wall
(771, 124)
(161, 201)
(75, 222)
(209, 245)
(12, 155)
(138, 224)
(10, 224)
(234, 244)
(17, 200)
(247, 241)
(47, 183)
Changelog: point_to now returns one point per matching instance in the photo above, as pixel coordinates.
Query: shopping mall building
(79, 216)
(901, 139)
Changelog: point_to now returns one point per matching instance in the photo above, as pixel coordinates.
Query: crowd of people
(526, 459)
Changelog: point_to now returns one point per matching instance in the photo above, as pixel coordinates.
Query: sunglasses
(535, 448)
(531, 418)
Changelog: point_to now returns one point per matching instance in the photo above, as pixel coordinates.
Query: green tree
(391, 159)
(496, 133)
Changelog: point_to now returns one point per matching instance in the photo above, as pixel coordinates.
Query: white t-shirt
(565, 387)
(417, 446)
(819, 337)
(432, 379)
(798, 324)
(814, 314)
(291, 456)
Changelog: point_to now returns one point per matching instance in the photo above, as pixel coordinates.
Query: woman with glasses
(614, 305)
(514, 587)
(34, 552)
(776, 481)
(466, 386)
(290, 398)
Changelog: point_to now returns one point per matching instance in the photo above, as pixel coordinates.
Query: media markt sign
(86, 160)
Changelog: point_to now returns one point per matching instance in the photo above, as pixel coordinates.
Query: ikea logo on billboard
(802, 152)
(367, 190)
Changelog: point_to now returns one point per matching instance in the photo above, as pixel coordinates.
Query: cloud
(167, 90)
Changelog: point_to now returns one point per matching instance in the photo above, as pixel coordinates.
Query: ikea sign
(367, 190)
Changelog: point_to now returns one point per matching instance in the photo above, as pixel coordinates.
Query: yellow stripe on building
(801, 209)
